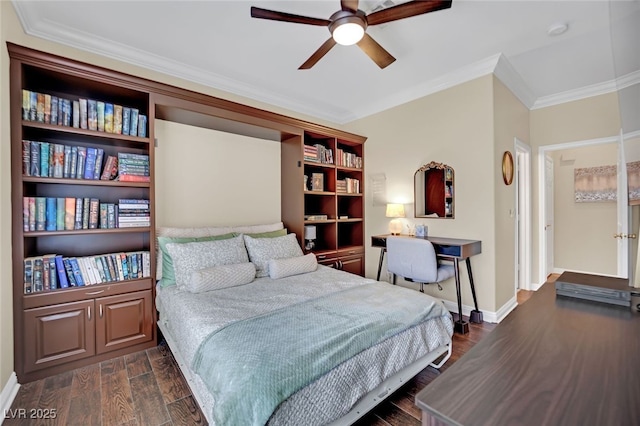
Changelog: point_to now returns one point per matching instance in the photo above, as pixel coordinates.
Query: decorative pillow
(261, 250)
(190, 257)
(270, 234)
(280, 268)
(168, 275)
(207, 231)
(222, 276)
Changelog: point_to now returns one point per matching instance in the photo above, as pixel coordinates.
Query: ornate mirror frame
(434, 190)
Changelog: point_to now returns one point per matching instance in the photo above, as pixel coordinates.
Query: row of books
(318, 153)
(348, 159)
(133, 167)
(69, 213)
(83, 113)
(348, 186)
(48, 159)
(53, 271)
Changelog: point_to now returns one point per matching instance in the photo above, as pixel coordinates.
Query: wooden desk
(451, 249)
(553, 361)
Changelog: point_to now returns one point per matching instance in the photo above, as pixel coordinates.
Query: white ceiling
(217, 43)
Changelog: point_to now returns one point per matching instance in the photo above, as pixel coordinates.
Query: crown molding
(88, 42)
(588, 91)
(508, 75)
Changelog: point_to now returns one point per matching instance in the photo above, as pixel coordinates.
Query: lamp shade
(395, 210)
(309, 232)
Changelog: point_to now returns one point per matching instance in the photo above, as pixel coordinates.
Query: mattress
(189, 318)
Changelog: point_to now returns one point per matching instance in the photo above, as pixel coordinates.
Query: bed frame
(366, 403)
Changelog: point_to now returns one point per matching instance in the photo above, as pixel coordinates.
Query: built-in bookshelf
(329, 196)
(82, 208)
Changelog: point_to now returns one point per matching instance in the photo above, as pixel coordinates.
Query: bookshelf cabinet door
(58, 334)
(123, 320)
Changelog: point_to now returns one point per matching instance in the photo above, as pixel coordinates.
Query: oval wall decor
(507, 168)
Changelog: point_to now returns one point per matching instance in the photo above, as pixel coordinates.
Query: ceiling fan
(348, 26)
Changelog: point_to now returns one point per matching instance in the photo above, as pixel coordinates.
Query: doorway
(559, 247)
(523, 215)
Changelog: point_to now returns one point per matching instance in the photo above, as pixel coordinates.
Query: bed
(219, 319)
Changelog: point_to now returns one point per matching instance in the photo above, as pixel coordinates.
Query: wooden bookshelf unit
(61, 329)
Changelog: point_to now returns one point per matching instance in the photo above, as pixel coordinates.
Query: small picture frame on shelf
(317, 182)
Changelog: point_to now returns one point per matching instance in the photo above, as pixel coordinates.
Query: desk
(553, 361)
(451, 249)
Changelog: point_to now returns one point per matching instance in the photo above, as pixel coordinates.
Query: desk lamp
(309, 236)
(396, 211)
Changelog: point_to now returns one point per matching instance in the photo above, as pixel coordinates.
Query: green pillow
(270, 234)
(168, 274)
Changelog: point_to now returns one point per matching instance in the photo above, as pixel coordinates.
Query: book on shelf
(28, 275)
(117, 119)
(77, 221)
(100, 106)
(51, 214)
(70, 213)
(90, 163)
(66, 169)
(94, 213)
(26, 158)
(44, 159)
(110, 171)
(32, 213)
(38, 275)
(111, 215)
(25, 214)
(54, 110)
(77, 274)
(66, 112)
(86, 204)
(75, 115)
(126, 120)
(73, 168)
(41, 211)
(316, 217)
(84, 113)
(108, 117)
(133, 129)
(58, 161)
(60, 213)
(98, 165)
(81, 162)
(69, 270)
(142, 125)
(317, 181)
(63, 281)
(40, 107)
(47, 108)
(35, 159)
(92, 114)
(26, 104)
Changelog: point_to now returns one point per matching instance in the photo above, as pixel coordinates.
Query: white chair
(415, 260)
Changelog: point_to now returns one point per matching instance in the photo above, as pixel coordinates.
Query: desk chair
(415, 260)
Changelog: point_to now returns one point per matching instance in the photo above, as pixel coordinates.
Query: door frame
(523, 215)
(542, 238)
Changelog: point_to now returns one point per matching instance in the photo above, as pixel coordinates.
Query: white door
(523, 215)
(548, 214)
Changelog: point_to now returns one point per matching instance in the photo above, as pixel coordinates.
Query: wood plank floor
(147, 388)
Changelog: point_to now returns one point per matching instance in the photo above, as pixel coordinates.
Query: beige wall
(591, 118)
(511, 120)
(6, 301)
(455, 127)
(583, 232)
(206, 177)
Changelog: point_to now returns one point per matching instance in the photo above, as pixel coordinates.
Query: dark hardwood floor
(147, 388)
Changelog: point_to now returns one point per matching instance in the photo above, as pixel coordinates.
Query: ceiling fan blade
(318, 54)
(351, 5)
(375, 51)
(257, 12)
(406, 10)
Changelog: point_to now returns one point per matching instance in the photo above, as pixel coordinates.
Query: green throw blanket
(251, 366)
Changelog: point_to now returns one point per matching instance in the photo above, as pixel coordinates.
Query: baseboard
(8, 394)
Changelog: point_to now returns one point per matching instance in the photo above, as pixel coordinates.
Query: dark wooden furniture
(60, 330)
(450, 249)
(554, 360)
(340, 237)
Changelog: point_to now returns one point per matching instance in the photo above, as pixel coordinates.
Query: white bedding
(188, 318)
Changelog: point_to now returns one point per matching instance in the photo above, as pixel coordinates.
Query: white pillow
(261, 250)
(281, 268)
(222, 276)
(190, 257)
(207, 231)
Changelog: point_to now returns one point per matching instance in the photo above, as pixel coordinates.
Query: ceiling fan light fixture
(348, 31)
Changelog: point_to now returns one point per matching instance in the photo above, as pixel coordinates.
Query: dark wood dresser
(553, 361)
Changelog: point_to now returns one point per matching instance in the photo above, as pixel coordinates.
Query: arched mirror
(433, 191)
